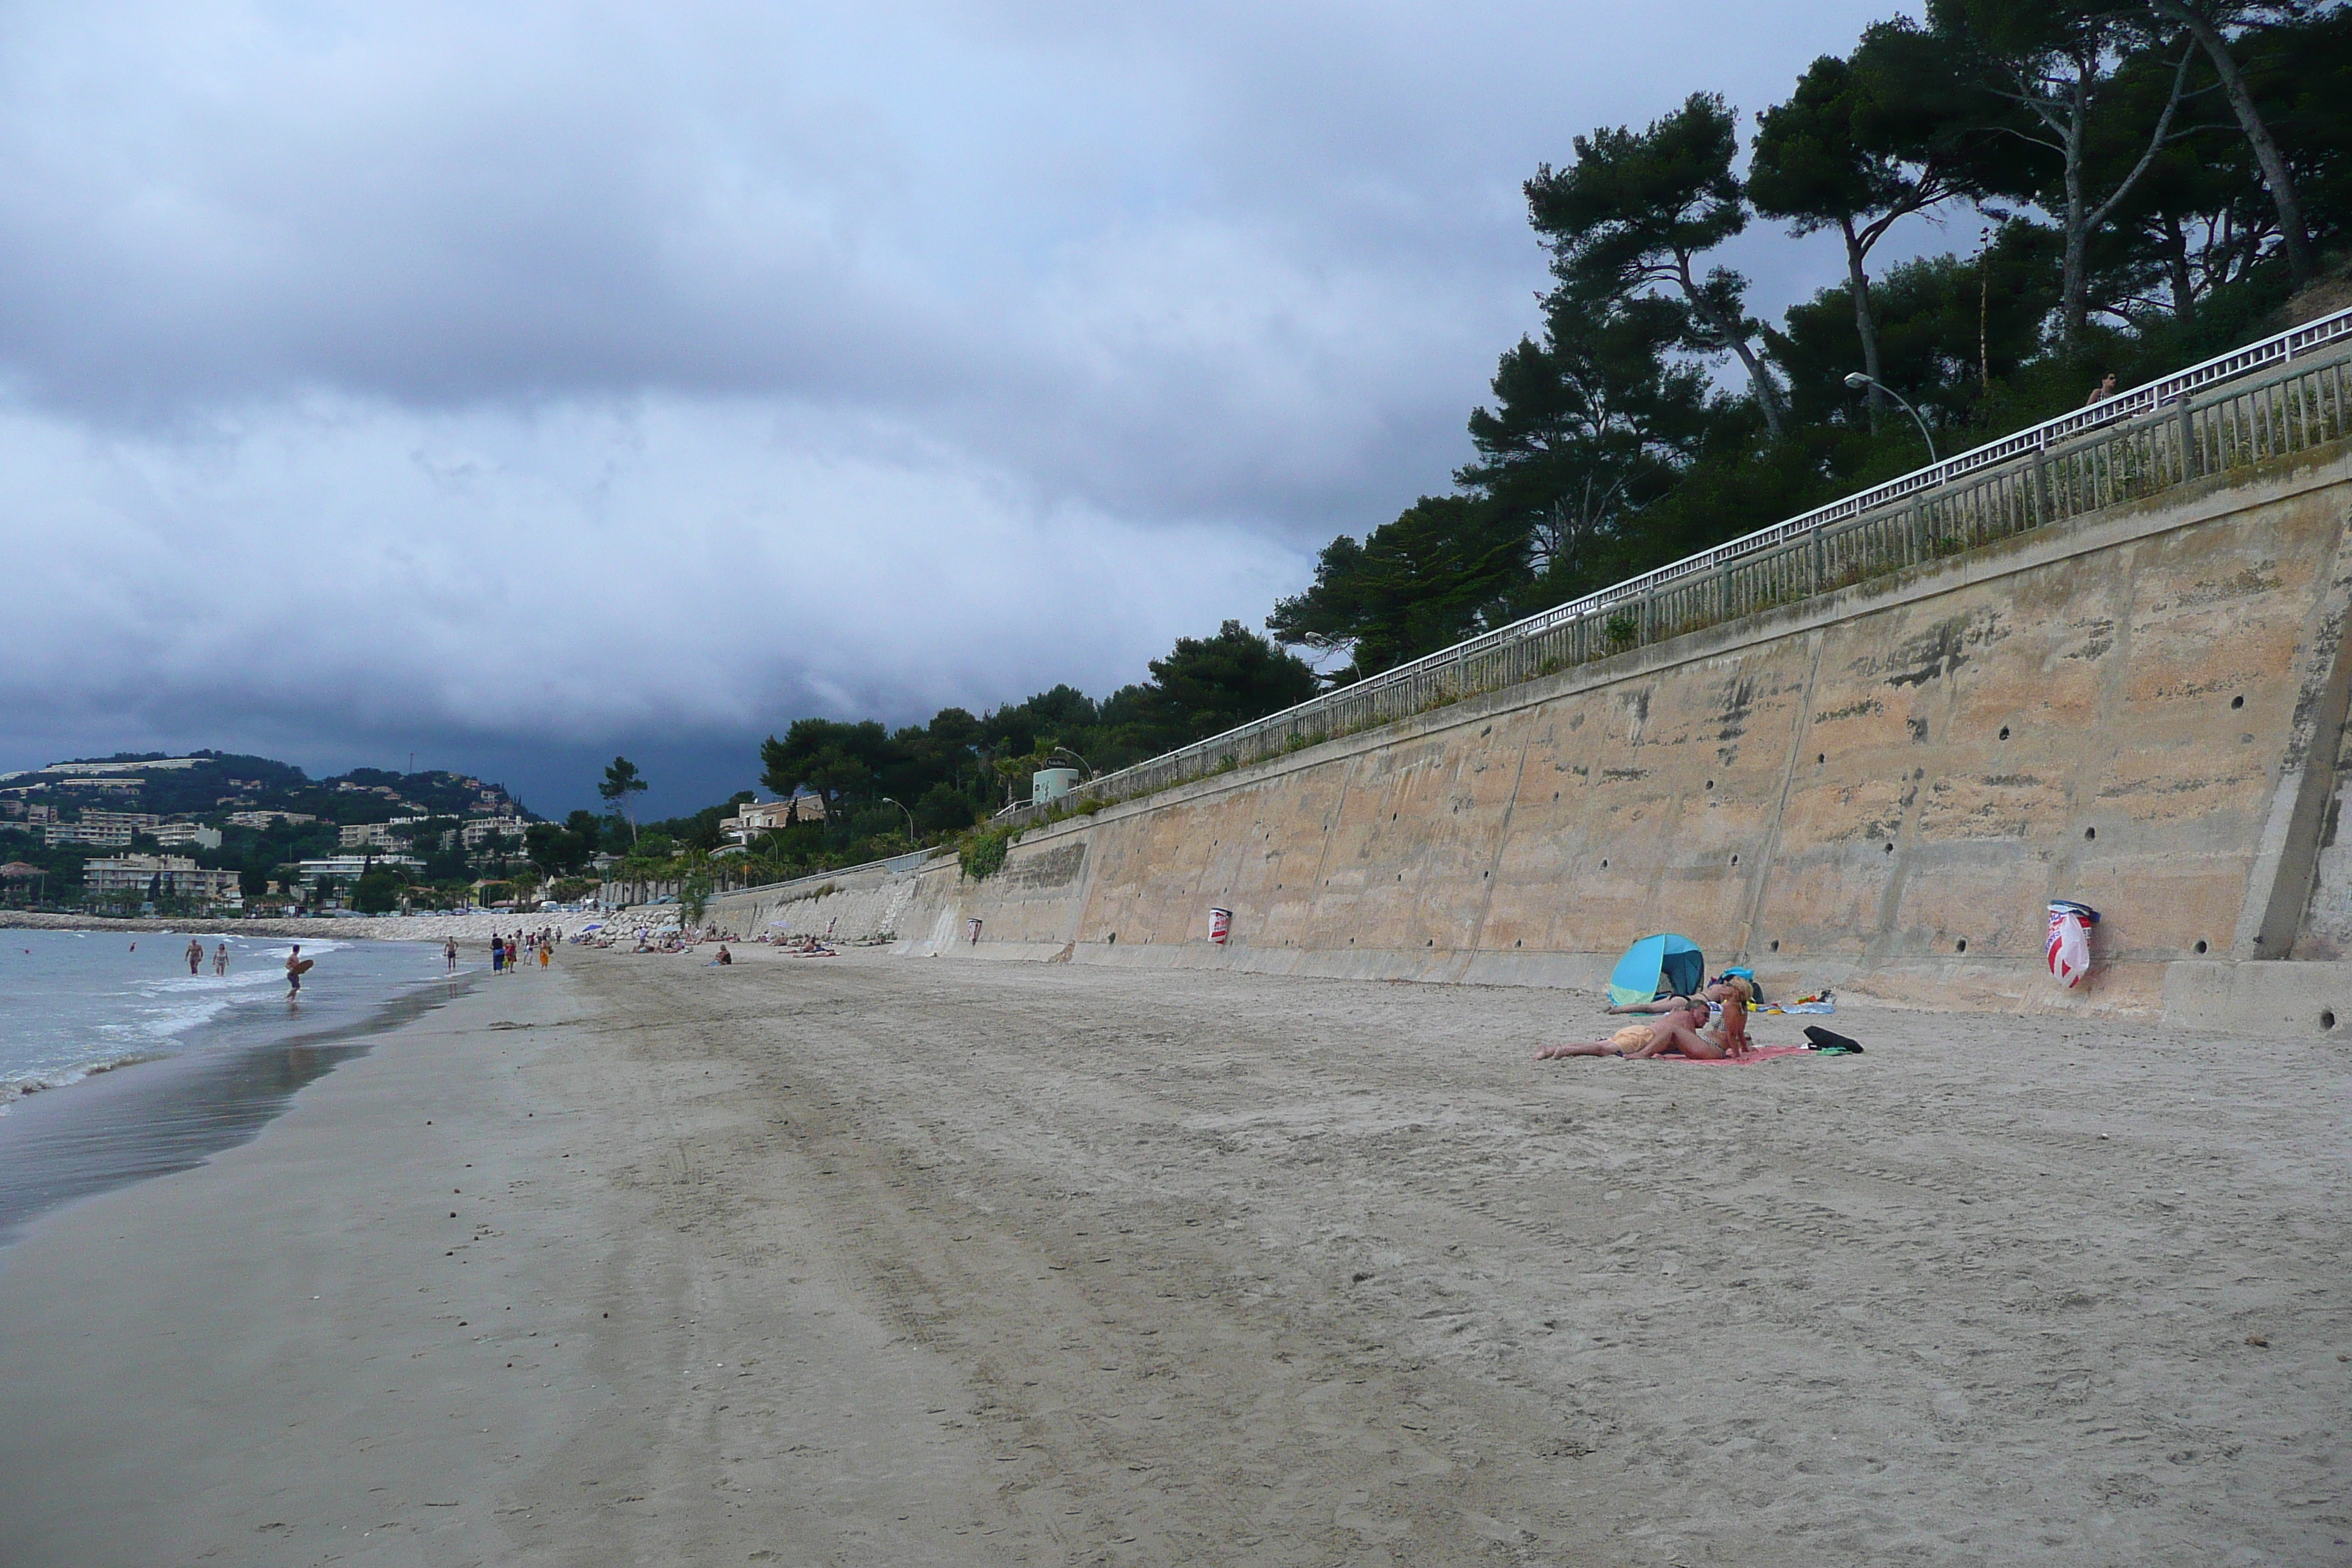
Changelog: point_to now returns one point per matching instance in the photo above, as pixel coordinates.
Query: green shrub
(981, 854)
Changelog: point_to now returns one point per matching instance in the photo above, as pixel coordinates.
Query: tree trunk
(1767, 393)
(2258, 135)
(2176, 262)
(1863, 324)
(2073, 309)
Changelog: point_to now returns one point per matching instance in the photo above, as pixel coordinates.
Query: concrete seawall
(1879, 788)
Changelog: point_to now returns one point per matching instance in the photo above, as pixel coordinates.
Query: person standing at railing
(2101, 393)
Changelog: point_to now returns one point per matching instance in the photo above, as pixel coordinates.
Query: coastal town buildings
(262, 819)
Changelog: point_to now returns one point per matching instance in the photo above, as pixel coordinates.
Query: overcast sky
(516, 383)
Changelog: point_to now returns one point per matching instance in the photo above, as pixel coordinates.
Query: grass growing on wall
(982, 853)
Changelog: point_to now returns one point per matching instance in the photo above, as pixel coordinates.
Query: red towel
(1760, 1054)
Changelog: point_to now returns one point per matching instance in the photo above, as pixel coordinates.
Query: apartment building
(262, 819)
(481, 828)
(378, 835)
(349, 868)
(148, 877)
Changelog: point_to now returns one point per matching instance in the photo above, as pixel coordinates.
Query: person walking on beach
(294, 967)
(220, 960)
(449, 955)
(542, 955)
(195, 956)
(497, 954)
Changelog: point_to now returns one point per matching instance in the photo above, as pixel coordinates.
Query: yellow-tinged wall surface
(2142, 709)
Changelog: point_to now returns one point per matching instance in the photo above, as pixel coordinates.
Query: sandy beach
(874, 1260)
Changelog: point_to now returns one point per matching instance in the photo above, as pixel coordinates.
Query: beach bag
(2070, 941)
(1829, 1043)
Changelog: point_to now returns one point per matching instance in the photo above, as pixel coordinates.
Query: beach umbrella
(1660, 965)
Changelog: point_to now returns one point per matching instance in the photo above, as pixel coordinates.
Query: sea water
(116, 1063)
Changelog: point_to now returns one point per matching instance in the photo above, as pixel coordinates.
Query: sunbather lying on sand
(1730, 996)
(1674, 1034)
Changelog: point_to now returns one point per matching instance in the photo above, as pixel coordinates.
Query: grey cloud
(374, 357)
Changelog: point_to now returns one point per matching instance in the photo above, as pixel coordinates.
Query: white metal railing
(1439, 673)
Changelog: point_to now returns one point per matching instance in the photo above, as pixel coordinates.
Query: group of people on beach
(1710, 1027)
(512, 953)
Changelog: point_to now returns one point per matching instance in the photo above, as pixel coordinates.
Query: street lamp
(910, 817)
(1858, 381)
(1068, 752)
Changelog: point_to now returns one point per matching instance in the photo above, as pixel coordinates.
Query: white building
(349, 868)
(481, 828)
(264, 818)
(181, 834)
(145, 877)
(94, 835)
(763, 817)
(363, 835)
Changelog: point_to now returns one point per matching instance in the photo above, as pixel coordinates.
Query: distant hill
(209, 786)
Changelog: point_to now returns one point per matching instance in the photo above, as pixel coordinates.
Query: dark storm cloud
(582, 372)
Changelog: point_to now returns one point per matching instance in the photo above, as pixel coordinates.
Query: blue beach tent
(1655, 966)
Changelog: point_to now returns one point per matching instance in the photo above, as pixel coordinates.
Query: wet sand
(874, 1260)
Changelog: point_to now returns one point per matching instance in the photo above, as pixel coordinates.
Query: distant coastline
(475, 926)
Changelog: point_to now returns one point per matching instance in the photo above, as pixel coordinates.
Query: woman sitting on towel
(1675, 1033)
(1731, 997)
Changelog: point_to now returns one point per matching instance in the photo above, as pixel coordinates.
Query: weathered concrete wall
(1879, 788)
(855, 906)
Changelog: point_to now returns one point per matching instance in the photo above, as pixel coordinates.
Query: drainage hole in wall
(1710, 784)
(2327, 1018)
(1604, 864)
(1555, 795)
(1890, 849)
(1735, 859)
(2237, 703)
(1519, 944)
(2200, 946)
(1111, 941)
(2089, 832)
(1961, 945)
(1430, 943)
(1776, 944)
(2004, 731)
(1391, 816)
(1820, 756)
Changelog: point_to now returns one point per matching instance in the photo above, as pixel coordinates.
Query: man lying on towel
(1674, 1033)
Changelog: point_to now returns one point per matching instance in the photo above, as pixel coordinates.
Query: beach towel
(1820, 1002)
(1760, 1054)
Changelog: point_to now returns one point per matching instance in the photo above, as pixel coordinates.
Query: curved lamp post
(901, 805)
(1068, 752)
(1858, 381)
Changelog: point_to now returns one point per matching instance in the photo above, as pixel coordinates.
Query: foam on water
(74, 1003)
(215, 1056)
